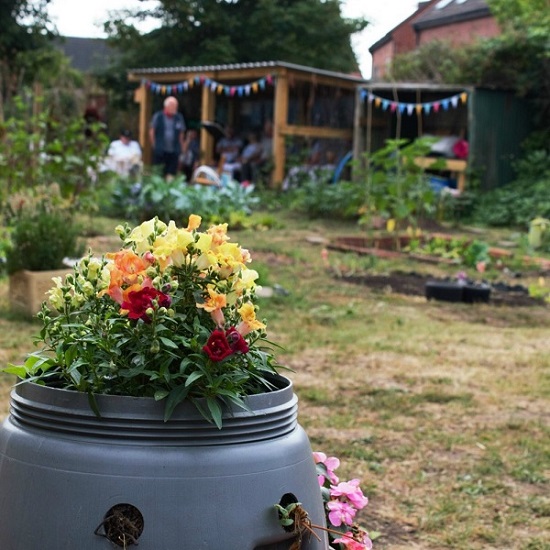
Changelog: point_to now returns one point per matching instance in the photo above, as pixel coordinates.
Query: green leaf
(215, 411)
(19, 371)
(161, 394)
(175, 397)
(192, 377)
(168, 343)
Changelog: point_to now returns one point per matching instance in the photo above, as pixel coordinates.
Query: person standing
(166, 133)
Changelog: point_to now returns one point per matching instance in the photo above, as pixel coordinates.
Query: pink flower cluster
(342, 501)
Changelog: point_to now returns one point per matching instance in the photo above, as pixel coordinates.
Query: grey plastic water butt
(69, 479)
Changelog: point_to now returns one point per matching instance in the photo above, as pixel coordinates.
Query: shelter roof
(233, 70)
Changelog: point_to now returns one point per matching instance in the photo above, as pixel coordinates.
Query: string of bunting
(213, 85)
(410, 108)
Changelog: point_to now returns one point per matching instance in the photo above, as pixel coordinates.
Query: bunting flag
(418, 108)
(212, 85)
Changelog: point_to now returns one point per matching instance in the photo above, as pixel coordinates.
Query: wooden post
(142, 95)
(208, 108)
(280, 123)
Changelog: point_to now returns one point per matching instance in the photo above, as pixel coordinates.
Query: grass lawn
(441, 409)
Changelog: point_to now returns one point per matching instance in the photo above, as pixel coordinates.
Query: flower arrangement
(171, 315)
(342, 500)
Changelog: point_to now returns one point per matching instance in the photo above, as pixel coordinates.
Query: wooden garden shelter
(304, 103)
(494, 122)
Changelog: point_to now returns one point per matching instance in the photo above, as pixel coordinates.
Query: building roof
(260, 66)
(445, 12)
(388, 37)
(86, 54)
(435, 13)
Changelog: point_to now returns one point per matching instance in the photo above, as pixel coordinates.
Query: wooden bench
(457, 168)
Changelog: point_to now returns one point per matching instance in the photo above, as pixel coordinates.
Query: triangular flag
(463, 97)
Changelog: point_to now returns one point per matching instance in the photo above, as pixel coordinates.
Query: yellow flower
(172, 244)
(249, 321)
(194, 222)
(206, 260)
(204, 242)
(246, 280)
(219, 234)
(140, 235)
(55, 294)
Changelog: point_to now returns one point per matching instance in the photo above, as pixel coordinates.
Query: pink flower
(352, 491)
(340, 512)
(351, 544)
(330, 463)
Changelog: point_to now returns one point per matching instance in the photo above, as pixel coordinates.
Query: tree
(197, 32)
(26, 32)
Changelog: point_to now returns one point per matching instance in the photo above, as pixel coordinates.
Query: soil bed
(414, 284)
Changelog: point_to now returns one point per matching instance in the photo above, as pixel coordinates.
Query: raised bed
(386, 246)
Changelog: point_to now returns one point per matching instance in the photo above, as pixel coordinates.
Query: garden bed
(399, 247)
(414, 284)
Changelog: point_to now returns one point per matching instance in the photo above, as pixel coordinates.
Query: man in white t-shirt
(124, 155)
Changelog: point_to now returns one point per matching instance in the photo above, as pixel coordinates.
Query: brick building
(456, 21)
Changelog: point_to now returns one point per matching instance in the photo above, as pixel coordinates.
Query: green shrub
(43, 232)
(517, 203)
(318, 200)
(176, 200)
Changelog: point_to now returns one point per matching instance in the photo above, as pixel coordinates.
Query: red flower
(223, 344)
(217, 347)
(139, 301)
(236, 341)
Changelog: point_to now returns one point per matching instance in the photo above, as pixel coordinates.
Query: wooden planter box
(28, 289)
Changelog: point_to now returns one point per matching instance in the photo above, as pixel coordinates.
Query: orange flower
(127, 269)
(214, 305)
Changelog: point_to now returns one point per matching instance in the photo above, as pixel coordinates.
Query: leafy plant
(342, 200)
(37, 149)
(176, 199)
(43, 231)
(518, 202)
(171, 315)
(396, 188)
